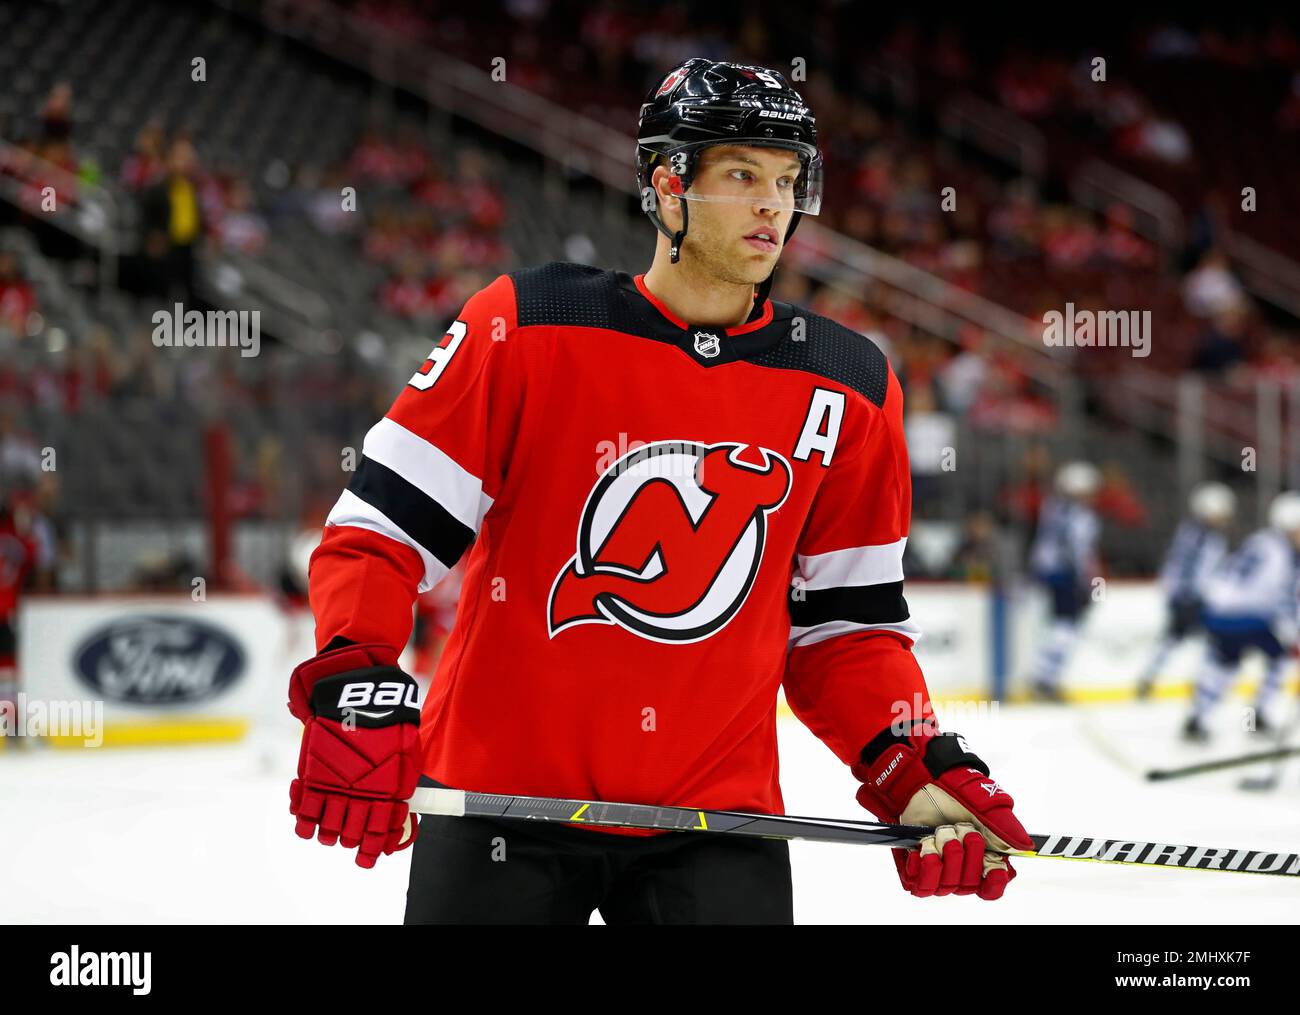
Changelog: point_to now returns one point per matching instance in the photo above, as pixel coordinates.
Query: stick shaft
(1201, 767)
(459, 803)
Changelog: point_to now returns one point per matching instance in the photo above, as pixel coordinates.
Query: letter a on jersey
(670, 540)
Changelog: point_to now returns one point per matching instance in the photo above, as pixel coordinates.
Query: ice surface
(202, 835)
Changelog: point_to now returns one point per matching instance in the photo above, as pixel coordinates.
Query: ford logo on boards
(159, 660)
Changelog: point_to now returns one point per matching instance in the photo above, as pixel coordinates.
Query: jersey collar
(707, 344)
(759, 316)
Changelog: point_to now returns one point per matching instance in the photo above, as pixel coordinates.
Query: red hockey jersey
(665, 523)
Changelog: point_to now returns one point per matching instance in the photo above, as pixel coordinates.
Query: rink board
(129, 670)
(167, 669)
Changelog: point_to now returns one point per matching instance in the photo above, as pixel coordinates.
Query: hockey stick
(1161, 774)
(459, 803)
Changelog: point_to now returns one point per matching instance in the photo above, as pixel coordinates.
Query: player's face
(744, 201)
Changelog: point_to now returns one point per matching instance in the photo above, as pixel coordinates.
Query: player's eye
(742, 174)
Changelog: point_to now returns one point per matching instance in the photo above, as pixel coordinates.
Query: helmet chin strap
(676, 252)
(674, 238)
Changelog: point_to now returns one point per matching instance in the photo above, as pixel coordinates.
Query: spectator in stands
(1069, 239)
(1207, 227)
(173, 222)
(1120, 245)
(1222, 345)
(20, 459)
(475, 193)
(979, 555)
(89, 372)
(17, 556)
(377, 160)
(1021, 498)
(323, 201)
(38, 532)
(1013, 224)
(56, 114)
(407, 293)
(17, 297)
(386, 238)
(1031, 85)
(832, 302)
(145, 165)
(50, 540)
(931, 442)
(1117, 501)
(142, 373)
(1211, 288)
(961, 377)
(241, 228)
(164, 571)
(1008, 401)
(1158, 138)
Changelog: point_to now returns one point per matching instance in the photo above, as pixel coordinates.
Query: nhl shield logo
(707, 345)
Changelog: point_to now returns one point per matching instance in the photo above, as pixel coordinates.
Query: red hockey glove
(360, 757)
(930, 778)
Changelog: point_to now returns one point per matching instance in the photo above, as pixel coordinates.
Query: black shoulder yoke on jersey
(580, 296)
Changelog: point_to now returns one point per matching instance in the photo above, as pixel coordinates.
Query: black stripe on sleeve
(412, 510)
(862, 604)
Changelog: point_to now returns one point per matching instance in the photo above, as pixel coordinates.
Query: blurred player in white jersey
(1250, 604)
(1064, 561)
(1199, 546)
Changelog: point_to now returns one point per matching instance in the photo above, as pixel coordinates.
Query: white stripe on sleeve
(352, 510)
(857, 565)
(804, 636)
(430, 470)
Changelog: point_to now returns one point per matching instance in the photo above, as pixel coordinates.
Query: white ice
(202, 835)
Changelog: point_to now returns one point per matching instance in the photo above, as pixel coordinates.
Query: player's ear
(661, 180)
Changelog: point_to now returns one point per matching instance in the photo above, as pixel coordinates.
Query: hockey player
(1063, 559)
(1198, 547)
(18, 557)
(1250, 604)
(680, 495)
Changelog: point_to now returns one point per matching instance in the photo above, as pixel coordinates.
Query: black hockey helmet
(708, 102)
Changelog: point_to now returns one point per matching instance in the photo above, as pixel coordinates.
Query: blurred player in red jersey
(17, 558)
(681, 497)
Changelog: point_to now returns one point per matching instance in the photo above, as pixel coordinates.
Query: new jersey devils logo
(670, 540)
(670, 82)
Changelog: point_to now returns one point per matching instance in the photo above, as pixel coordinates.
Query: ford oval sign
(159, 661)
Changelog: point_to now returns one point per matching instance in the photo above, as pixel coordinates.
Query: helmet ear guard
(682, 168)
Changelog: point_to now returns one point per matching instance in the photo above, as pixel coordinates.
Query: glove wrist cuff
(898, 762)
(373, 697)
(304, 700)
